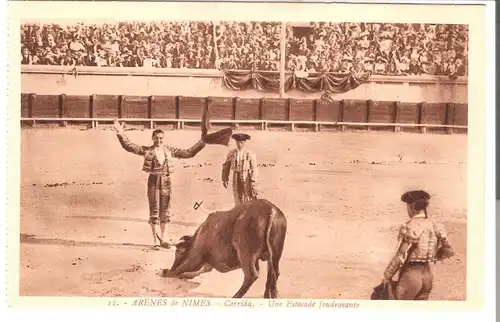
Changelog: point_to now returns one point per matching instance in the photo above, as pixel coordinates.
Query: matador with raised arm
(158, 164)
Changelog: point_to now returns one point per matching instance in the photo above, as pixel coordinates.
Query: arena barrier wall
(54, 80)
(152, 110)
(153, 96)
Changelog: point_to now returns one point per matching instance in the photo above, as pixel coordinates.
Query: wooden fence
(180, 110)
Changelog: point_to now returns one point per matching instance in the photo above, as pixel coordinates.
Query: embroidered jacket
(151, 163)
(244, 175)
(245, 169)
(425, 235)
(419, 240)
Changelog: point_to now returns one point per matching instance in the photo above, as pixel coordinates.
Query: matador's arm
(253, 168)
(226, 166)
(445, 250)
(128, 145)
(406, 239)
(187, 153)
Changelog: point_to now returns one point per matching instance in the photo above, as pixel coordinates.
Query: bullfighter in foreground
(421, 241)
(244, 166)
(158, 163)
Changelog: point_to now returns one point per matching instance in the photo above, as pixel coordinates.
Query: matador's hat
(414, 196)
(241, 137)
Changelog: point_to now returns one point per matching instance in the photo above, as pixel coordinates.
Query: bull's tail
(270, 262)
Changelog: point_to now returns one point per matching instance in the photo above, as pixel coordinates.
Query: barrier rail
(181, 110)
(213, 73)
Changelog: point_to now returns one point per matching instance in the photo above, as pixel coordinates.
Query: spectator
(391, 49)
(384, 48)
(124, 44)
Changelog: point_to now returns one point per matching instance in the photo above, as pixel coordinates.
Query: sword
(199, 205)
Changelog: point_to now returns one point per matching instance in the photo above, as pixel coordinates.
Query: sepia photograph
(244, 157)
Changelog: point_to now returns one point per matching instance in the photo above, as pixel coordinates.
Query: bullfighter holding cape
(158, 164)
(421, 241)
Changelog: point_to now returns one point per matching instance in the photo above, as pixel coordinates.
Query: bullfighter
(158, 164)
(421, 242)
(244, 166)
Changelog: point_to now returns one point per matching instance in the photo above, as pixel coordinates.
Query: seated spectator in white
(301, 63)
(207, 63)
(363, 41)
(346, 63)
(26, 57)
(231, 62)
(369, 63)
(311, 64)
(181, 61)
(335, 60)
(167, 61)
(76, 45)
(380, 65)
(414, 68)
(324, 65)
(404, 65)
(460, 67)
(449, 66)
(425, 68)
(100, 59)
(291, 64)
(147, 62)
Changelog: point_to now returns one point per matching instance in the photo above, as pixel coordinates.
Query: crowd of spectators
(125, 44)
(249, 45)
(391, 49)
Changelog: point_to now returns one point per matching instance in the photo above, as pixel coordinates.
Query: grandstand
(383, 75)
(383, 48)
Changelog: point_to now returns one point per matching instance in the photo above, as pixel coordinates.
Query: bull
(234, 239)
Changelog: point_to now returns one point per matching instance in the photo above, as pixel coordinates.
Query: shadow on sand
(173, 222)
(32, 239)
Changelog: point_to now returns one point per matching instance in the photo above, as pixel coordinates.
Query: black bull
(233, 239)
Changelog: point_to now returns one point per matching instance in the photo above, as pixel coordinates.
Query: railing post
(369, 106)
(178, 112)
(31, 107)
(317, 127)
(151, 103)
(397, 106)
(289, 103)
(450, 114)
(121, 104)
(63, 109)
(423, 117)
(342, 113)
(261, 113)
(93, 112)
(234, 102)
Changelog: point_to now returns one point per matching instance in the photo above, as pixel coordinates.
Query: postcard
(247, 155)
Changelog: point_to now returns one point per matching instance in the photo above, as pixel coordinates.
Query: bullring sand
(84, 211)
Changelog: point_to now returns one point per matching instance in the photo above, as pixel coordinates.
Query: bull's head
(181, 251)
